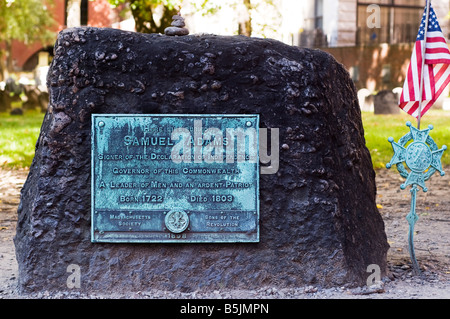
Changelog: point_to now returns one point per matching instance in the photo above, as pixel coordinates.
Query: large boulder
(319, 223)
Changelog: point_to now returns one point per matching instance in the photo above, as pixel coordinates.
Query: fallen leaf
(379, 206)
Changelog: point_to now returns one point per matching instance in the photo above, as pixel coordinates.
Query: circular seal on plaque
(177, 221)
(418, 156)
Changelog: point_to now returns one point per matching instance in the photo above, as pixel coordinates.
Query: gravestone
(318, 220)
(365, 99)
(386, 102)
(35, 99)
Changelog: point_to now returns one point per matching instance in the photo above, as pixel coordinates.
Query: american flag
(436, 69)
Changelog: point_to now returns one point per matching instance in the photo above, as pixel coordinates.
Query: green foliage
(207, 6)
(254, 16)
(26, 20)
(377, 129)
(143, 10)
(18, 135)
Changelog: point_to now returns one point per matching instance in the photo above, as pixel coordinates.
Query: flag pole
(423, 64)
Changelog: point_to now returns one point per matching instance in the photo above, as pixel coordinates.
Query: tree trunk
(73, 13)
(3, 73)
(9, 59)
(144, 21)
(245, 25)
(166, 19)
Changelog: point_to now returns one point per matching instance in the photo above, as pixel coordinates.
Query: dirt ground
(432, 246)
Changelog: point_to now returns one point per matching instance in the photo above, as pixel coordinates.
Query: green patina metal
(167, 178)
(423, 157)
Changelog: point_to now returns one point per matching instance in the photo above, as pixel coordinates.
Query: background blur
(376, 57)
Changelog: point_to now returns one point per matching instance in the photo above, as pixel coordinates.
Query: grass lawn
(18, 135)
(377, 129)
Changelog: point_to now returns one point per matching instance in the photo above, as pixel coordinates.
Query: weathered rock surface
(319, 222)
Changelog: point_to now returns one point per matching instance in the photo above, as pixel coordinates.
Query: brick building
(376, 54)
(372, 38)
(96, 13)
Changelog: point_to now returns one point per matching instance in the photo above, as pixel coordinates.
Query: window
(318, 14)
(312, 34)
(386, 73)
(399, 21)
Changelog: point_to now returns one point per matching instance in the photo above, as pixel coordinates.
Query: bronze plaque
(175, 178)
